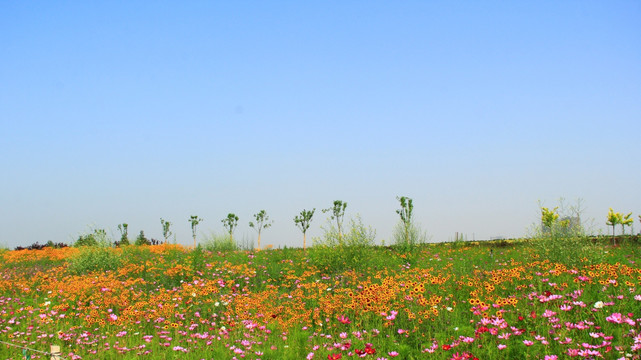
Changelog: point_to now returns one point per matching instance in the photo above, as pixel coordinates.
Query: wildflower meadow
(462, 300)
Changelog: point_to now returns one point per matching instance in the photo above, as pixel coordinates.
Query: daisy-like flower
(599, 305)
(615, 318)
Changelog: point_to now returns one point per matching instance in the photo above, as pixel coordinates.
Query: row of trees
(302, 221)
(550, 220)
(616, 218)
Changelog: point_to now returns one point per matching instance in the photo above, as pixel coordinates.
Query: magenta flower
(344, 319)
(615, 318)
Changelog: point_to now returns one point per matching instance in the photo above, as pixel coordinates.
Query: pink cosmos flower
(548, 313)
(615, 318)
(392, 315)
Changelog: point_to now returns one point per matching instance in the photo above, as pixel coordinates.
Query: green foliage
(337, 213)
(215, 242)
(136, 255)
(124, 239)
(561, 236)
(194, 220)
(613, 219)
(407, 234)
(141, 239)
(166, 232)
(197, 258)
(262, 222)
(407, 238)
(92, 259)
(336, 252)
(98, 237)
(303, 220)
(626, 220)
(405, 212)
(549, 217)
(230, 223)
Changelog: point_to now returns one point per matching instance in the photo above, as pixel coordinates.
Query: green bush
(215, 242)
(95, 258)
(336, 252)
(98, 237)
(407, 239)
(561, 236)
(142, 240)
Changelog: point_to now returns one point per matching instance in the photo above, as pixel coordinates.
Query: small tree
(124, 239)
(338, 213)
(230, 223)
(405, 212)
(166, 233)
(142, 240)
(262, 222)
(549, 217)
(613, 220)
(303, 221)
(194, 220)
(626, 220)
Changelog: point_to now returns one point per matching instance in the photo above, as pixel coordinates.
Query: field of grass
(435, 301)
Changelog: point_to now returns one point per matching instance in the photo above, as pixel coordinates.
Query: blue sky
(132, 111)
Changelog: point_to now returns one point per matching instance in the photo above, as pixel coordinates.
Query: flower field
(438, 301)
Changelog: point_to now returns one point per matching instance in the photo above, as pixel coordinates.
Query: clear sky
(129, 111)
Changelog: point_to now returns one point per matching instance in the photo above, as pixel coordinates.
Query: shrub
(561, 236)
(98, 237)
(141, 239)
(407, 233)
(124, 238)
(215, 242)
(92, 259)
(336, 252)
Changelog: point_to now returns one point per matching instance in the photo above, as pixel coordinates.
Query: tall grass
(335, 252)
(219, 242)
(95, 258)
